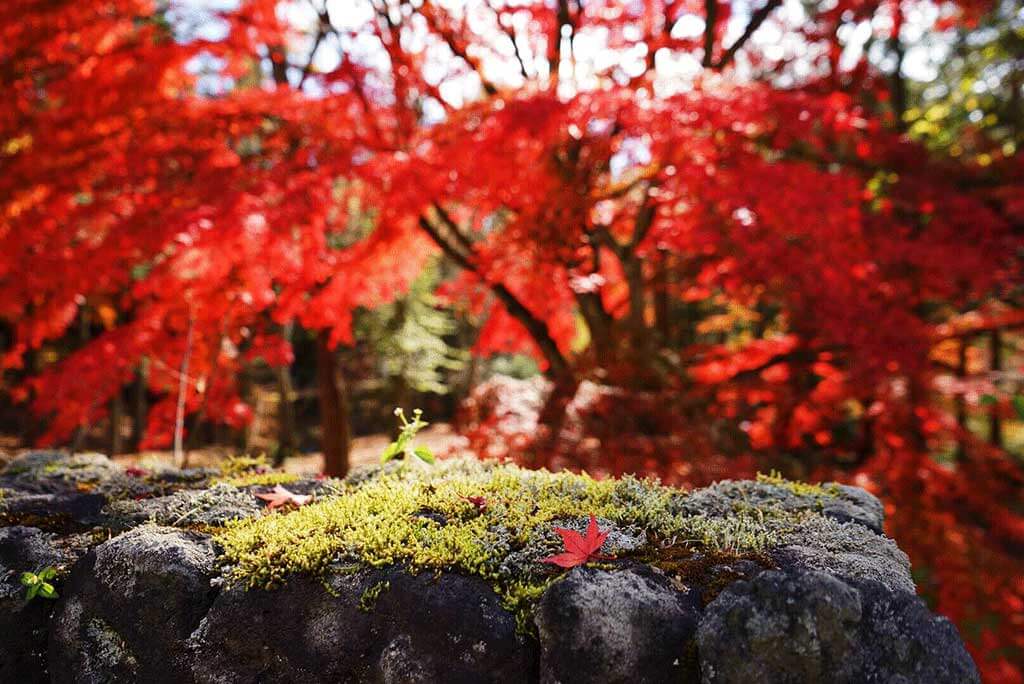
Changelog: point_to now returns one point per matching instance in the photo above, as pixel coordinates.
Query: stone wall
(409, 573)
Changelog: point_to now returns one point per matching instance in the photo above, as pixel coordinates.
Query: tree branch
(710, 22)
(558, 366)
(756, 19)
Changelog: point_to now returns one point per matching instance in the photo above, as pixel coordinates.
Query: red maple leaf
(282, 497)
(478, 501)
(579, 549)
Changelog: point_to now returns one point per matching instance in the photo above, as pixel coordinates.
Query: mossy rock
(497, 522)
(412, 573)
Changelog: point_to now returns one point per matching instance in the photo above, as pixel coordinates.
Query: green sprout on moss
(408, 430)
(38, 583)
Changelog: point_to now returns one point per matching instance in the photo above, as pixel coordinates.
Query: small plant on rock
(39, 584)
(402, 446)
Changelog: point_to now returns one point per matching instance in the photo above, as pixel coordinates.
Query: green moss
(235, 466)
(250, 479)
(799, 488)
(424, 519)
(369, 598)
(748, 531)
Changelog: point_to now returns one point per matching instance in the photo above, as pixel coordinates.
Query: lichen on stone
(256, 479)
(798, 488)
(199, 508)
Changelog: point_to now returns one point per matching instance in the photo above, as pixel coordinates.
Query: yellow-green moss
(423, 517)
(369, 598)
(381, 522)
(799, 488)
(234, 466)
(257, 479)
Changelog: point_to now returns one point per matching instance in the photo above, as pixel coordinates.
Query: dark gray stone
(854, 504)
(630, 625)
(420, 628)
(826, 598)
(129, 606)
(839, 502)
(783, 628)
(845, 550)
(61, 512)
(210, 507)
(23, 625)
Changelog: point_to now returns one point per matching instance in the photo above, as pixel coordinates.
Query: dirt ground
(439, 437)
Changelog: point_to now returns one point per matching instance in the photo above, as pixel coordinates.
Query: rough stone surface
(23, 625)
(846, 550)
(840, 502)
(420, 628)
(53, 472)
(213, 506)
(601, 626)
(813, 627)
(129, 606)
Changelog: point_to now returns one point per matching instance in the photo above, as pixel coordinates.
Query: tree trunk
(995, 425)
(286, 439)
(960, 402)
(141, 407)
(334, 418)
(116, 414)
(663, 297)
(552, 417)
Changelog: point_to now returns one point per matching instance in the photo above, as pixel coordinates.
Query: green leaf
(32, 591)
(424, 454)
(987, 400)
(48, 573)
(29, 579)
(390, 452)
(46, 590)
(1018, 405)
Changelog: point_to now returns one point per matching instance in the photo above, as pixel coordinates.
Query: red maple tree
(725, 254)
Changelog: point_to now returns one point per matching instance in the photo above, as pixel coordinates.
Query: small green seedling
(407, 432)
(38, 583)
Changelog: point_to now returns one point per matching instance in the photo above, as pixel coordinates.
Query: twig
(179, 419)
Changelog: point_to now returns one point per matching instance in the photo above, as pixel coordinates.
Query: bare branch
(710, 22)
(558, 365)
(756, 19)
(179, 416)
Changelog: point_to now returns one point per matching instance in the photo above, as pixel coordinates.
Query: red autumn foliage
(579, 549)
(724, 255)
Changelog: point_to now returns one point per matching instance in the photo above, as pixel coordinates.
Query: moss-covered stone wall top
(498, 522)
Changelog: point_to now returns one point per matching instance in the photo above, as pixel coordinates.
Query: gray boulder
(130, 605)
(377, 625)
(845, 550)
(783, 628)
(839, 502)
(632, 625)
(204, 507)
(23, 624)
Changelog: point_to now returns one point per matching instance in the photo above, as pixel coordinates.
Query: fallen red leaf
(579, 549)
(478, 501)
(282, 497)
